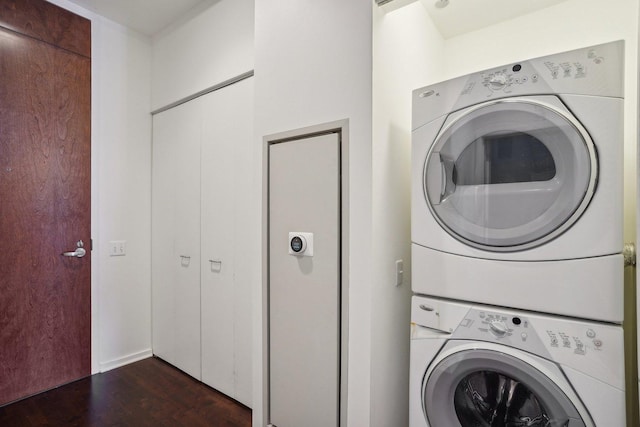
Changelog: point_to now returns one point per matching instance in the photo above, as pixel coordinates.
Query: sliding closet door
(176, 236)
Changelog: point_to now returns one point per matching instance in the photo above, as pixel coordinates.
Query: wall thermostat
(300, 244)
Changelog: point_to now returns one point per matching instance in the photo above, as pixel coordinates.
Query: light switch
(117, 247)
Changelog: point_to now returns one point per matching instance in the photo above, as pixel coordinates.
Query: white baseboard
(121, 361)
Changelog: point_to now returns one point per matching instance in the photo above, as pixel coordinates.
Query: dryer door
(488, 388)
(510, 174)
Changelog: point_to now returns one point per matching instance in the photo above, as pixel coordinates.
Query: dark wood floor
(146, 393)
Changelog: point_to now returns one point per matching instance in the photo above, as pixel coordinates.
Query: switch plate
(117, 248)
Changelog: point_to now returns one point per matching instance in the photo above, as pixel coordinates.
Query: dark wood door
(45, 200)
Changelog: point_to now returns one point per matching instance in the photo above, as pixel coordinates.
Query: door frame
(341, 127)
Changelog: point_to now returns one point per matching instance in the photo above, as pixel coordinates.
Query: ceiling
(463, 16)
(146, 16)
(460, 16)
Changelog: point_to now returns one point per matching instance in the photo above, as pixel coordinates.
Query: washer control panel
(517, 331)
(590, 347)
(500, 327)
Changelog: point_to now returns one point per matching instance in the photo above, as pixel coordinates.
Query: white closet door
(245, 237)
(176, 236)
(226, 188)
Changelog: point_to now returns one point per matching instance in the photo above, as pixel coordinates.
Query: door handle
(78, 253)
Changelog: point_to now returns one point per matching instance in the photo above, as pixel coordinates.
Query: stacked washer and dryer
(517, 204)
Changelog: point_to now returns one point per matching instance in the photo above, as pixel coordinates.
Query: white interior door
(304, 291)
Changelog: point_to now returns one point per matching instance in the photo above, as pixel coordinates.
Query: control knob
(497, 81)
(498, 328)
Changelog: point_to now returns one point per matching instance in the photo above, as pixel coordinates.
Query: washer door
(510, 174)
(488, 388)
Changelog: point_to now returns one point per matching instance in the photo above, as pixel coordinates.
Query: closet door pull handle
(216, 265)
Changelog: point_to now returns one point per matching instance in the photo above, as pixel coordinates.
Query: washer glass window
(510, 174)
(489, 398)
(488, 388)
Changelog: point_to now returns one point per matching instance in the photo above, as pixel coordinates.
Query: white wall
(407, 49)
(313, 65)
(409, 53)
(121, 137)
(210, 45)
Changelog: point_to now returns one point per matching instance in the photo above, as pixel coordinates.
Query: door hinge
(629, 254)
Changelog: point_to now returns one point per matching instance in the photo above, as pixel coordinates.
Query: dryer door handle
(439, 178)
(448, 187)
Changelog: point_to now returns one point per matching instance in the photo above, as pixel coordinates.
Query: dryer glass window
(502, 158)
(489, 398)
(510, 174)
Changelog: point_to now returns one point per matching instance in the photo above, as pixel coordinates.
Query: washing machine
(523, 165)
(478, 365)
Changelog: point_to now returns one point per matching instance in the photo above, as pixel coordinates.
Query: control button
(534, 78)
(516, 320)
(554, 341)
(597, 343)
(524, 336)
(591, 333)
(482, 315)
(525, 79)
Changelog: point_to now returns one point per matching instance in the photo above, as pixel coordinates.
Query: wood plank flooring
(146, 393)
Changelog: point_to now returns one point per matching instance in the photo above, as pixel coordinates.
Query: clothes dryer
(523, 165)
(476, 365)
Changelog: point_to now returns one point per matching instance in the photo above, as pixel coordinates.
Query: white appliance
(523, 165)
(477, 365)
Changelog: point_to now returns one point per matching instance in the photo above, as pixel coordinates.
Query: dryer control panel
(595, 70)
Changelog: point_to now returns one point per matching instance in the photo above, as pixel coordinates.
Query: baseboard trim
(116, 363)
